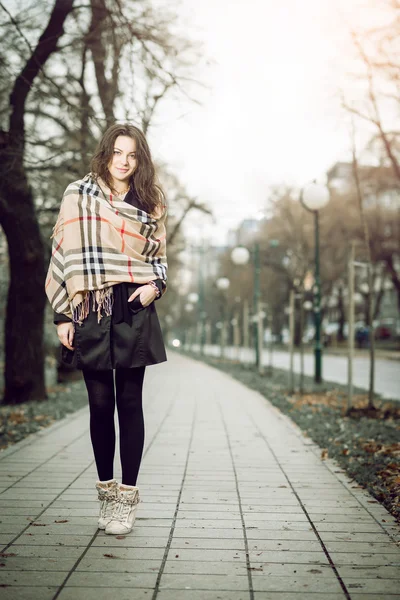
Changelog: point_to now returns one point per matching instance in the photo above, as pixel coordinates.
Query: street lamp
(188, 333)
(223, 284)
(240, 256)
(314, 197)
(168, 321)
(193, 297)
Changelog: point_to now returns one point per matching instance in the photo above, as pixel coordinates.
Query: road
(387, 372)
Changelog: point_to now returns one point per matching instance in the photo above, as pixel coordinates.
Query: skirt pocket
(68, 357)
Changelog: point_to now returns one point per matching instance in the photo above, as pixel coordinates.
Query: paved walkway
(334, 368)
(237, 505)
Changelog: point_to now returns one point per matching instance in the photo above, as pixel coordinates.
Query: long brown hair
(143, 180)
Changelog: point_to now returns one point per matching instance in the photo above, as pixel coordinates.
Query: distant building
(212, 260)
(232, 238)
(379, 184)
(380, 188)
(245, 234)
(340, 177)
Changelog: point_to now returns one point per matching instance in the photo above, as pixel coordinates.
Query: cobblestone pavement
(236, 505)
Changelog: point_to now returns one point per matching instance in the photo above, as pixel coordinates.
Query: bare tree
(378, 50)
(59, 108)
(24, 373)
(367, 243)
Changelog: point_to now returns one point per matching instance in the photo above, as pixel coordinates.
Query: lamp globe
(240, 255)
(223, 283)
(315, 196)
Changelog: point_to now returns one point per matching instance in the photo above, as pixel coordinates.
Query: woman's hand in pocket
(66, 333)
(147, 294)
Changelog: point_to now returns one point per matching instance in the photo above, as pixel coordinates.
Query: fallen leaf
(314, 571)
(62, 521)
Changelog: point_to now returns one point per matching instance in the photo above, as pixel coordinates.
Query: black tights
(128, 393)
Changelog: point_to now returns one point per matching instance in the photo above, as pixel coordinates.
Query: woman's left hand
(147, 294)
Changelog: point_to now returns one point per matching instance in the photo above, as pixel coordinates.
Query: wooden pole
(350, 319)
(236, 334)
(260, 336)
(301, 297)
(271, 346)
(371, 390)
(256, 300)
(291, 340)
(245, 324)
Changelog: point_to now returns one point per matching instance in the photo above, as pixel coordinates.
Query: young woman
(108, 266)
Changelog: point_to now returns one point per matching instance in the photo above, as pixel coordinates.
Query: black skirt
(130, 337)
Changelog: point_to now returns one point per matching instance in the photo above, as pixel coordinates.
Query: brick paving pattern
(236, 505)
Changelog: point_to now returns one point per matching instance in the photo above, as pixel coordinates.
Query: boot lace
(108, 500)
(124, 506)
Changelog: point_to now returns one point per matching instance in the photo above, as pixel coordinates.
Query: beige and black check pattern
(100, 240)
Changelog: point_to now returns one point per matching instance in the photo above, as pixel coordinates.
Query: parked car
(383, 332)
(362, 336)
(386, 329)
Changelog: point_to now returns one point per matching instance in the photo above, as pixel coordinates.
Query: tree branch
(46, 45)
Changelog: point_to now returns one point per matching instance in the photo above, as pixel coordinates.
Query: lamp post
(257, 306)
(168, 322)
(223, 284)
(202, 314)
(188, 338)
(193, 299)
(240, 256)
(314, 197)
(199, 254)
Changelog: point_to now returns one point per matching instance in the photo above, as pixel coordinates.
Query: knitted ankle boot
(124, 513)
(107, 494)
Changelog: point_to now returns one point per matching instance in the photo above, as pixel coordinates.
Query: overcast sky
(272, 114)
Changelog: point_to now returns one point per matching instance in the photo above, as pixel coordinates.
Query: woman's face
(123, 162)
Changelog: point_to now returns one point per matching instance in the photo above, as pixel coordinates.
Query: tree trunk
(297, 325)
(342, 314)
(85, 135)
(101, 23)
(394, 277)
(378, 299)
(367, 242)
(24, 368)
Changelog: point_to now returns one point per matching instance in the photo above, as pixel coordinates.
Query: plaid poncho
(100, 240)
